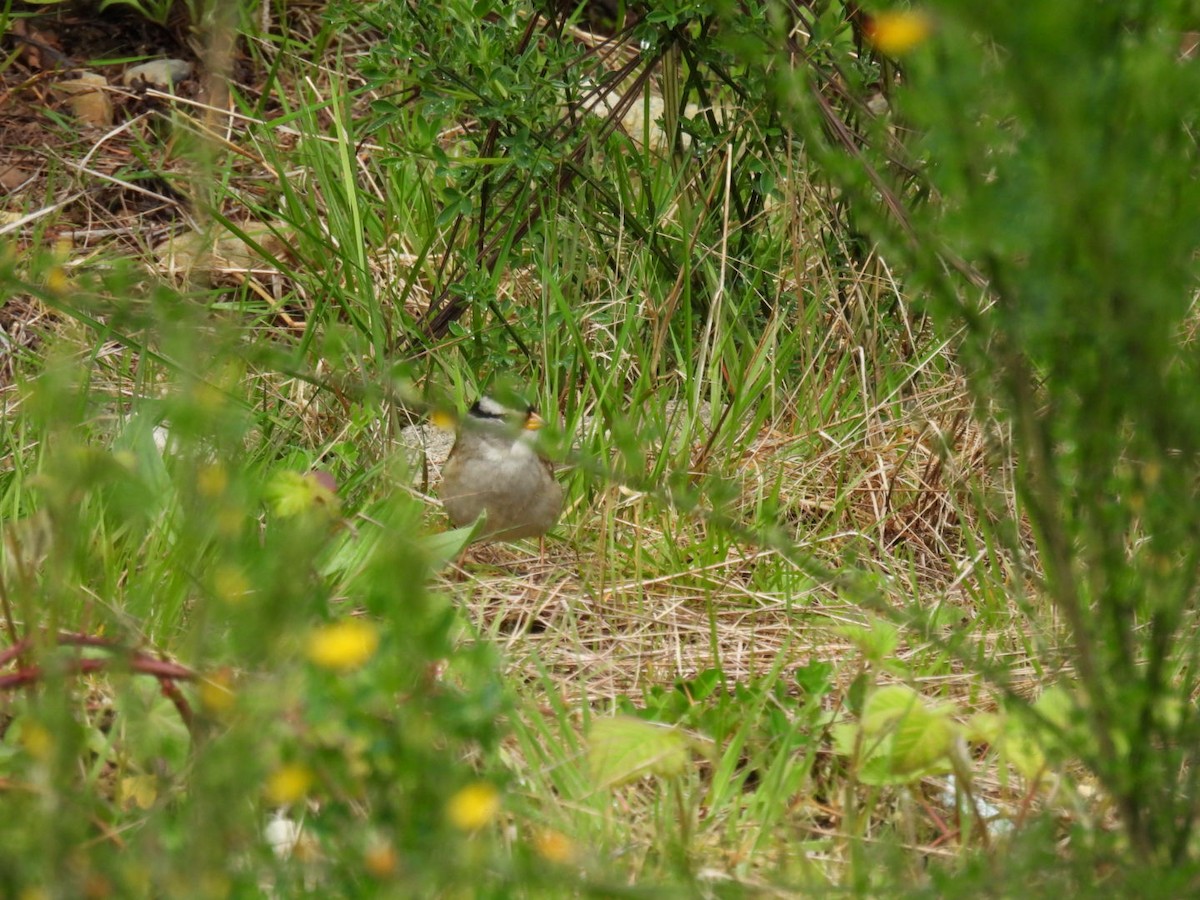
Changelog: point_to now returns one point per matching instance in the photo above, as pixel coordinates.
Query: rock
(87, 98)
(158, 73)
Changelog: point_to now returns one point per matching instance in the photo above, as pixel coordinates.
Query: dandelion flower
(343, 646)
(473, 806)
(896, 33)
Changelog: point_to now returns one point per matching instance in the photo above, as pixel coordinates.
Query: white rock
(158, 72)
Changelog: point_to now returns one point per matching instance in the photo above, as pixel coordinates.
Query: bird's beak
(533, 421)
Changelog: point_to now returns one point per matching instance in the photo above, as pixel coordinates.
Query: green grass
(782, 495)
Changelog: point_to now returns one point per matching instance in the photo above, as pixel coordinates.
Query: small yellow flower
(212, 480)
(57, 281)
(230, 583)
(230, 519)
(216, 692)
(381, 860)
(138, 791)
(896, 33)
(555, 847)
(343, 646)
(38, 741)
(208, 397)
(1151, 472)
(473, 806)
(289, 784)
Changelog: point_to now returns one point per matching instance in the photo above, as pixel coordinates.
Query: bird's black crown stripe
(490, 409)
(479, 412)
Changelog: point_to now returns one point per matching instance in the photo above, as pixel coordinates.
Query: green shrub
(1042, 200)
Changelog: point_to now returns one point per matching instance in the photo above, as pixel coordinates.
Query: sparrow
(495, 469)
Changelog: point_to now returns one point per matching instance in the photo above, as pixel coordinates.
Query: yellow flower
(230, 583)
(38, 741)
(381, 860)
(57, 281)
(208, 397)
(896, 33)
(343, 646)
(216, 692)
(288, 784)
(212, 480)
(138, 791)
(230, 519)
(474, 806)
(554, 846)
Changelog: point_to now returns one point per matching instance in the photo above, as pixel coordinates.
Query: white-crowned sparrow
(495, 469)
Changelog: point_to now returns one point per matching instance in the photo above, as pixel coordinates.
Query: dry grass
(631, 593)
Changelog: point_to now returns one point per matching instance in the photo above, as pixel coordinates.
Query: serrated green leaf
(845, 738)
(1057, 706)
(815, 678)
(1022, 751)
(877, 770)
(922, 741)
(887, 705)
(150, 723)
(877, 642)
(984, 728)
(294, 493)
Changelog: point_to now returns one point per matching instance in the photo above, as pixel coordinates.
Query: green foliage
(623, 749)
(899, 738)
(166, 524)
(157, 11)
(1043, 191)
(200, 13)
(226, 668)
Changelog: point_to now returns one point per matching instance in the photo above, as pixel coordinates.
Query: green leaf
(899, 739)
(294, 493)
(845, 738)
(886, 706)
(984, 728)
(922, 741)
(1022, 750)
(702, 686)
(815, 678)
(446, 545)
(1057, 706)
(623, 749)
(877, 642)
